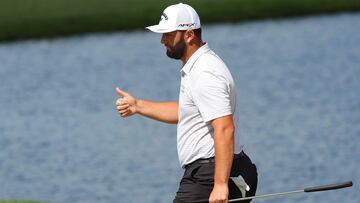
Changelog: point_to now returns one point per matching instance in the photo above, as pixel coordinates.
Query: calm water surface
(62, 141)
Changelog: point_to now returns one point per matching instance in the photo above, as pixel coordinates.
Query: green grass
(47, 18)
(18, 201)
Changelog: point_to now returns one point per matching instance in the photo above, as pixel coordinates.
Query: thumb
(120, 92)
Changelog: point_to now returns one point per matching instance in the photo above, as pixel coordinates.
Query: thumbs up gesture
(126, 104)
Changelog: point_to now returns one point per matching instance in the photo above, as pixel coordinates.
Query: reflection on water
(61, 139)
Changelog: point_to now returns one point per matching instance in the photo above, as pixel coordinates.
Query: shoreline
(58, 18)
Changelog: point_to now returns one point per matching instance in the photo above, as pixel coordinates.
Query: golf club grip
(329, 187)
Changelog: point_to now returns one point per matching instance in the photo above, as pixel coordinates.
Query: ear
(189, 36)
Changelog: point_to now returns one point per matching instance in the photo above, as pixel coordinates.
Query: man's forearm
(162, 111)
(224, 153)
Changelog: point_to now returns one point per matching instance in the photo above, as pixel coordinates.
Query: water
(62, 141)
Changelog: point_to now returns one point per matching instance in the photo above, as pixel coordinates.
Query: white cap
(177, 17)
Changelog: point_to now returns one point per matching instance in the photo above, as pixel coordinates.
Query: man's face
(174, 43)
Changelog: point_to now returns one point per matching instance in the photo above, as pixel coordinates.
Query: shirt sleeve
(211, 94)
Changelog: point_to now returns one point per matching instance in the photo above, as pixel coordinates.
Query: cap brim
(160, 29)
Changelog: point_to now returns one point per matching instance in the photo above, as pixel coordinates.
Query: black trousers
(198, 180)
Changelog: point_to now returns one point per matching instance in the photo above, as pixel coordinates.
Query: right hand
(126, 104)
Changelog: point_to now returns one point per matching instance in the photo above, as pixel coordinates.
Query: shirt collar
(189, 64)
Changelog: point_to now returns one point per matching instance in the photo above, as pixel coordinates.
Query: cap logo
(186, 25)
(164, 17)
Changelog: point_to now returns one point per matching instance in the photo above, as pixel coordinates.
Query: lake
(62, 140)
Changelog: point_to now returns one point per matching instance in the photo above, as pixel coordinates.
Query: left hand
(219, 194)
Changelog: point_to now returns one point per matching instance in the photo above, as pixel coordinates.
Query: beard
(177, 51)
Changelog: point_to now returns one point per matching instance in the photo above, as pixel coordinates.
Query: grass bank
(21, 19)
(18, 201)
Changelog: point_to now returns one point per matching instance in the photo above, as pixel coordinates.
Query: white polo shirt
(207, 92)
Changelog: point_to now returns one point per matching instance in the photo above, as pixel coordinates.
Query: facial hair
(177, 51)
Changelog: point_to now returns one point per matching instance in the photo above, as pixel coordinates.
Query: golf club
(308, 189)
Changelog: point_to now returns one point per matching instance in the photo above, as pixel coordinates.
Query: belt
(212, 159)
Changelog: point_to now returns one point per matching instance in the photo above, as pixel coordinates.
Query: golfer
(209, 143)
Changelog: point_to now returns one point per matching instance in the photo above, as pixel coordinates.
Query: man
(210, 147)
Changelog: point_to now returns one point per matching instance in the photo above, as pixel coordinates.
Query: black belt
(212, 159)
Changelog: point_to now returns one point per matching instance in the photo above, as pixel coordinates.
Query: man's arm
(128, 105)
(224, 152)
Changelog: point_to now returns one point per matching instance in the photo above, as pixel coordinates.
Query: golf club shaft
(267, 195)
(308, 189)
